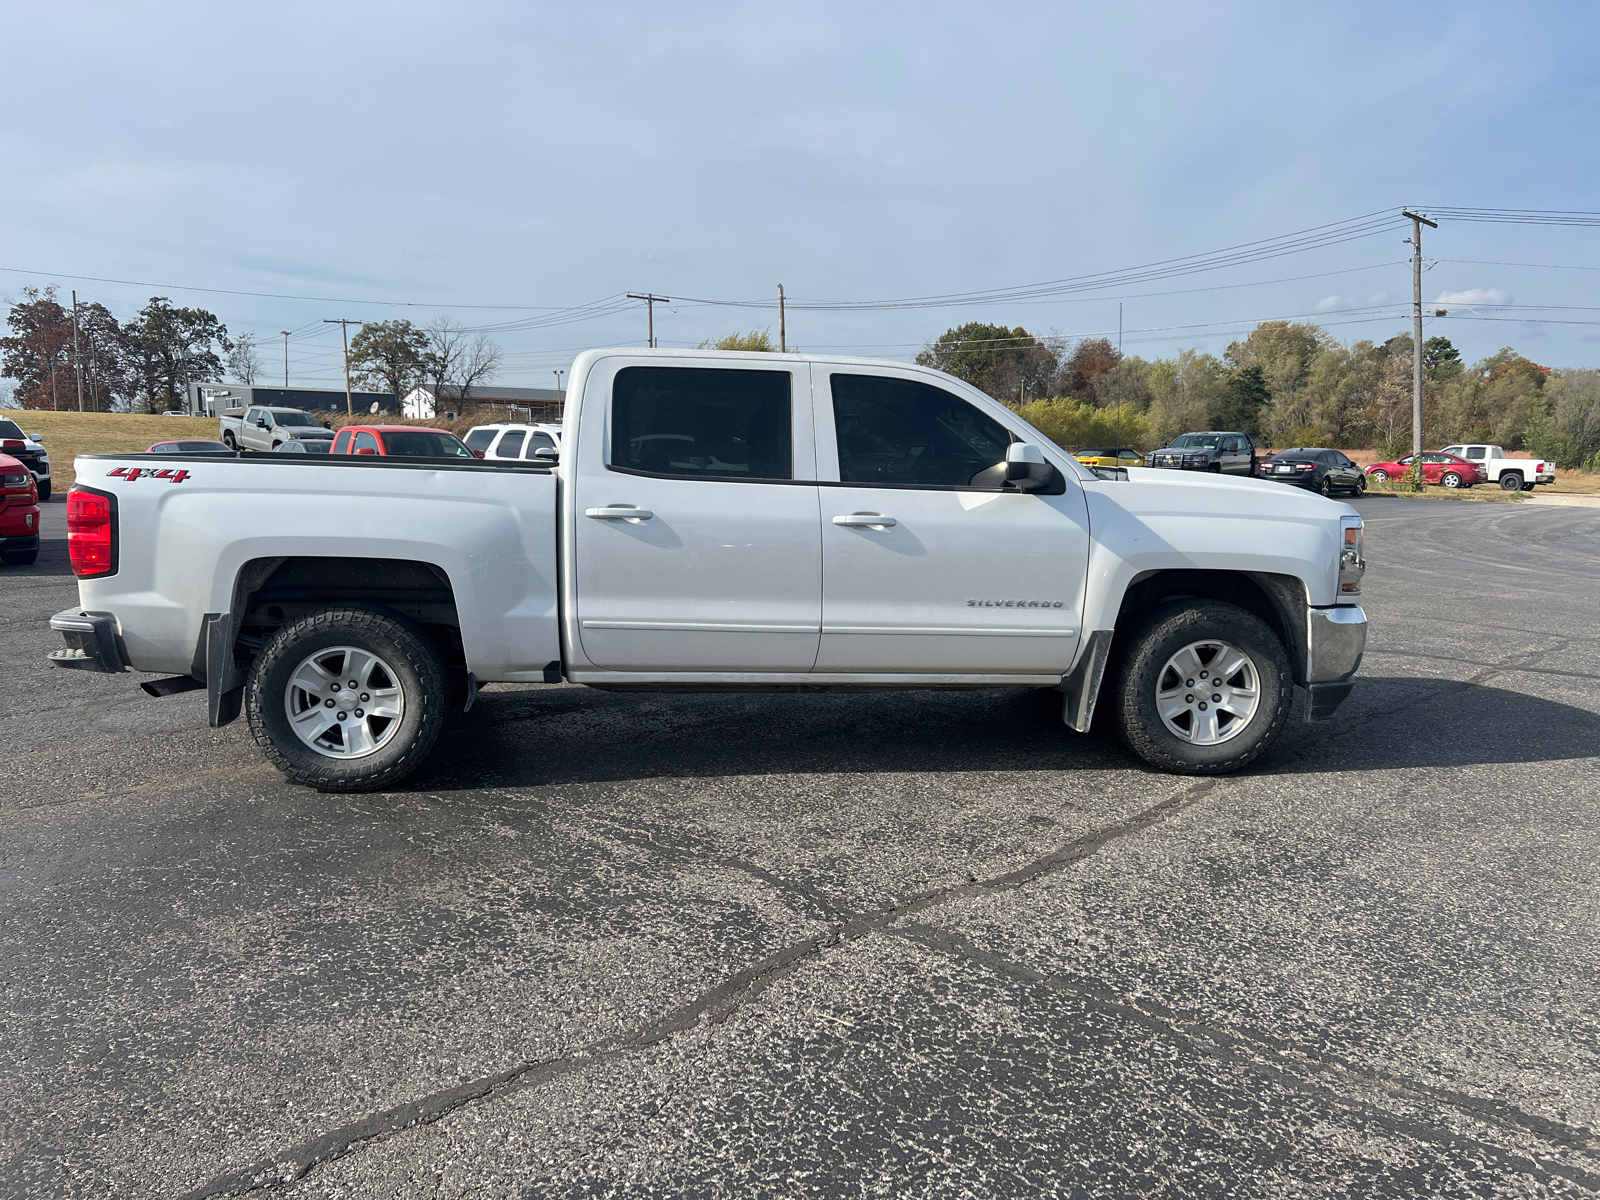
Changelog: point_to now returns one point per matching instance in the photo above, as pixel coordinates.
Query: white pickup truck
(261, 428)
(1512, 474)
(717, 522)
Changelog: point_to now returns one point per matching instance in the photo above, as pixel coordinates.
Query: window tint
(365, 441)
(252, 414)
(511, 445)
(479, 439)
(1474, 451)
(9, 429)
(425, 444)
(341, 442)
(540, 441)
(901, 431)
(693, 421)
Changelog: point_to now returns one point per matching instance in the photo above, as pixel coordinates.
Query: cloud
(1378, 298)
(1328, 302)
(1474, 296)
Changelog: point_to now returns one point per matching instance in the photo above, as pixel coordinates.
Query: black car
(1222, 451)
(1316, 468)
(25, 448)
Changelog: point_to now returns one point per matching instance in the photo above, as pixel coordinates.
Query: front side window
(905, 432)
(425, 444)
(540, 441)
(365, 441)
(511, 445)
(298, 420)
(696, 422)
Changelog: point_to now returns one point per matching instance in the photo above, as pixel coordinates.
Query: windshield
(1196, 441)
(296, 419)
(1096, 452)
(8, 429)
(425, 445)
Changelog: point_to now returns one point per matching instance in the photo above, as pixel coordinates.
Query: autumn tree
(389, 356)
(1088, 369)
(38, 354)
(170, 347)
(756, 339)
(1008, 364)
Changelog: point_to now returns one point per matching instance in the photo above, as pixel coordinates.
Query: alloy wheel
(344, 702)
(1208, 692)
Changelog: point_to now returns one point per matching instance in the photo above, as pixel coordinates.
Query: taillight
(91, 532)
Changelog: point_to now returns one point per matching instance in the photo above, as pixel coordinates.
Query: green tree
(756, 339)
(169, 348)
(1183, 393)
(1005, 363)
(390, 356)
(1241, 400)
(1440, 359)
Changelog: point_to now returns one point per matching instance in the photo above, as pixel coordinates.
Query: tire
(1380, 476)
(228, 441)
(1511, 481)
(19, 558)
(44, 491)
(1167, 635)
(1327, 486)
(1359, 488)
(392, 659)
(1451, 480)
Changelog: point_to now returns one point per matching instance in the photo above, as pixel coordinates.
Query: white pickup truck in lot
(717, 521)
(1512, 474)
(261, 428)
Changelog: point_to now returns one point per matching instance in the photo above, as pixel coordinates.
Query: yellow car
(1109, 456)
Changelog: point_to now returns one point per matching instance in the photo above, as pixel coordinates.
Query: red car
(1445, 469)
(19, 513)
(411, 441)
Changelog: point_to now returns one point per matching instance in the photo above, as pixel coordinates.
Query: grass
(67, 435)
(1485, 492)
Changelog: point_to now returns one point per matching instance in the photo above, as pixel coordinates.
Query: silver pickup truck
(717, 521)
(262, 428)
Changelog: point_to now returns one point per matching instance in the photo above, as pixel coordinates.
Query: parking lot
(919, 944)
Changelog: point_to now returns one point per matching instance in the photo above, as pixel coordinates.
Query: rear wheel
(227, 440)
(1451, 480)
(1360, 486)
(1203, 688)
(1511, 481)
(1327, 485)
(347, 699)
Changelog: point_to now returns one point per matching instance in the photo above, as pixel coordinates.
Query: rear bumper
(91, 642)
(1336, 638)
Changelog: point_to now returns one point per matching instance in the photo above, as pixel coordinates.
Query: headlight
(1352, 562)
(22, 480)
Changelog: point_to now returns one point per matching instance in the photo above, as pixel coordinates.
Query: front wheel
(44, 491)
(1380, 476)
(1204, 688)
(1451, 480)
(347, 699)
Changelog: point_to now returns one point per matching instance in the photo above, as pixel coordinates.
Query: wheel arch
(1278, 600)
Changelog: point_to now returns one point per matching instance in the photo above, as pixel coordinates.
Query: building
(515, 403)
(213, 399)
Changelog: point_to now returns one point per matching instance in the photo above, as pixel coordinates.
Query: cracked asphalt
(916, 944)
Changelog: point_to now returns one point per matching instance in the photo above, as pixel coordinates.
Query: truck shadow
(564, 735)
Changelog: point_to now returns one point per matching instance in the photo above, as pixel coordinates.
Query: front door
(697, 539)
(931, 564)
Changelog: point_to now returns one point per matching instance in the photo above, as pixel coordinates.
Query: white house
(544, 404)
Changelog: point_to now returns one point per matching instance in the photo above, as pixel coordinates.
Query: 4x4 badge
(167, 473)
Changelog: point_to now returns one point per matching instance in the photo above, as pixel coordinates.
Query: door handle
(870, 520)
(619, 512)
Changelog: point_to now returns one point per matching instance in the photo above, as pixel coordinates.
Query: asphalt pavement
(916, 944)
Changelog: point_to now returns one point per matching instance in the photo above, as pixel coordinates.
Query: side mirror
(34, 437)
(1026, 469)
(477, 454)
(366, 450)
(547, 454)
(261, 422)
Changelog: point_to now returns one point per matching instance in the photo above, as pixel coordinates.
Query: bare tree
(446, 344)
(244, 360)
(480, 362)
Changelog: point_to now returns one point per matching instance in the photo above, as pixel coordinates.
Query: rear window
(692, 421)
(425, 445)
(510, 446)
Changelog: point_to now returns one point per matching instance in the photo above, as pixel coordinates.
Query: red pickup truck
(19, 513)
(412, 441)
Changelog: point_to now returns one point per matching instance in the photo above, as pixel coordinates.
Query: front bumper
(1336, 638)
(20, 541)
(1181, 462)
(91, 639)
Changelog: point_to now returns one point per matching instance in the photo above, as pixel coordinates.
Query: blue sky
(553, 156)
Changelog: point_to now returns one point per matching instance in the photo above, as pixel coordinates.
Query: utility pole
(560, 396)
(1417, 222)
(77, 356)
(1119, 375)
(285, 333)
(344, 324)
(650, 301)
(783, 333)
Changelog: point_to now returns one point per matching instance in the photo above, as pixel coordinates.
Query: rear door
(930, 564)
(697, 544)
